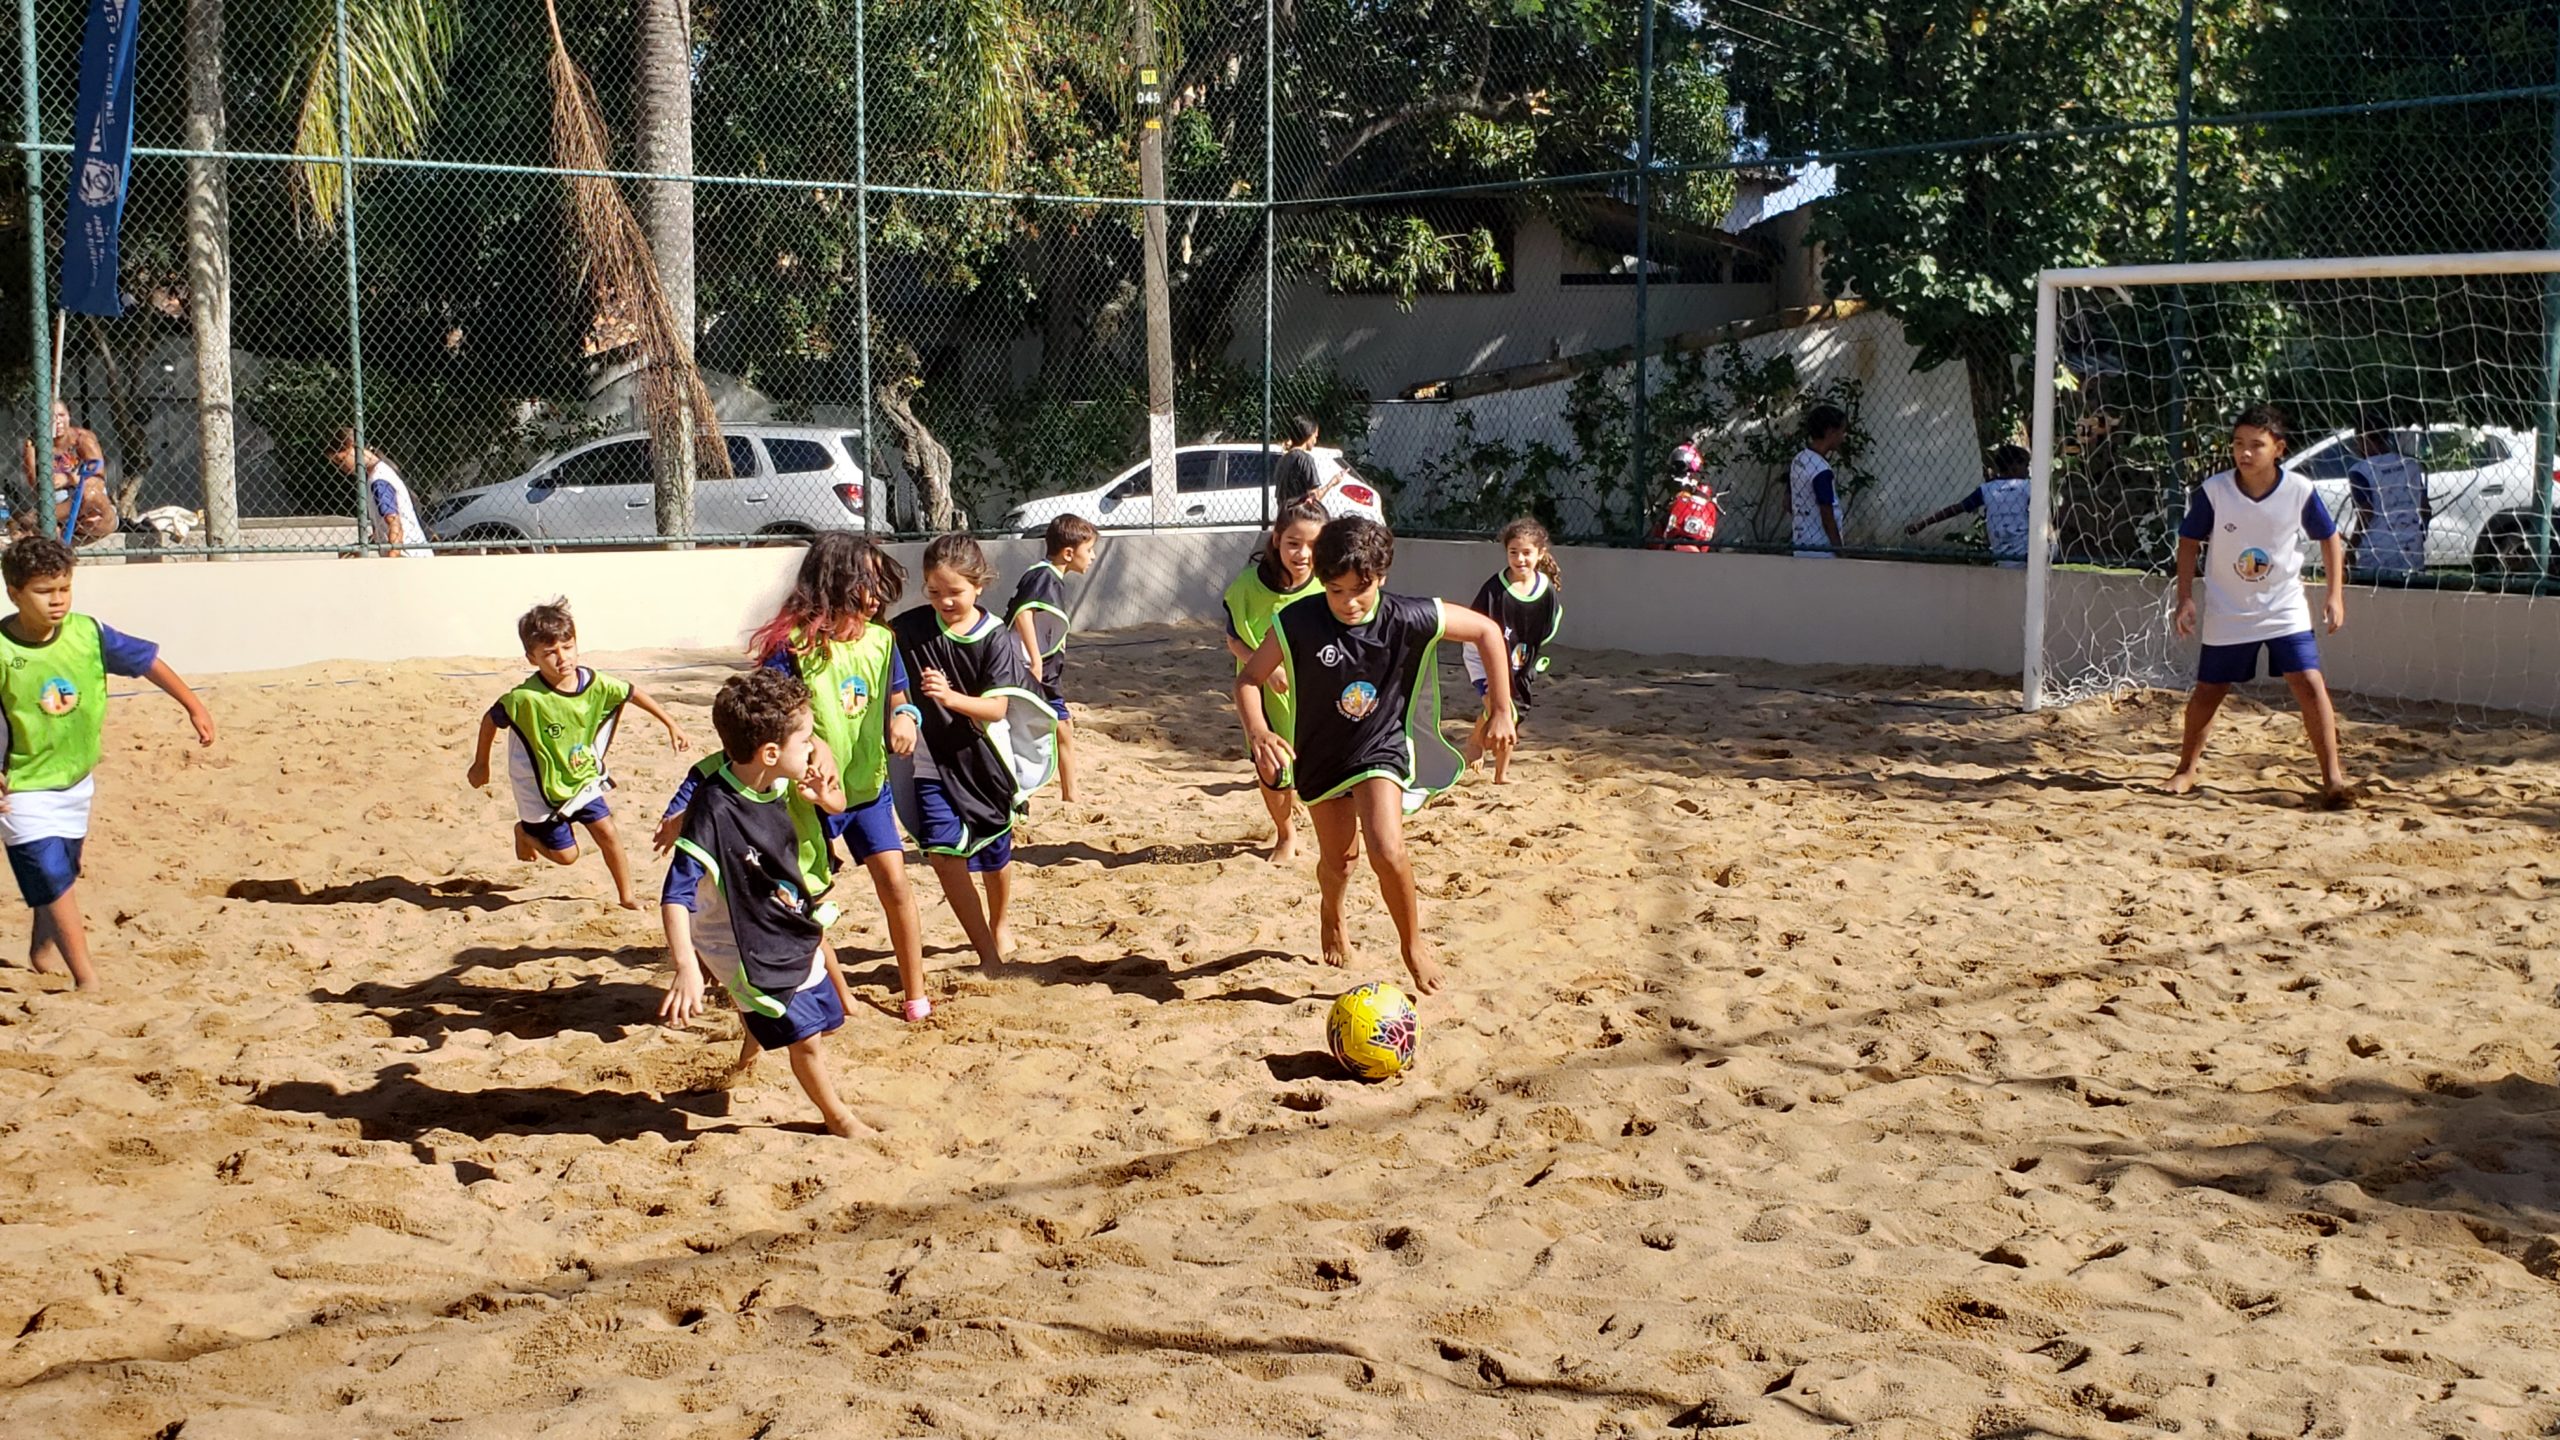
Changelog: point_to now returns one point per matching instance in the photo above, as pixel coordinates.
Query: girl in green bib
(1284, 570)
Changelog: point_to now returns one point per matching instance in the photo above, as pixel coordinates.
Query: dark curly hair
(1354, 545)
(757, 709)
(34, 558)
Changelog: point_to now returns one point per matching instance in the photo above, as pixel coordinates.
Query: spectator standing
(2388, 535)
(390, 514)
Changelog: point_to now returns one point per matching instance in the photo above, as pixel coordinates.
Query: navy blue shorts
(943, 830)
(1048, 689)
(868, 830)
(46, 869)
(2238, 664)
(806, 1015)
(555, 835)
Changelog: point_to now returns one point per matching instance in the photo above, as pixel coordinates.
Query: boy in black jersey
(1368, 743)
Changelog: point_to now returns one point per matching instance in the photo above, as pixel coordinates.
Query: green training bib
(566, 735)
(55, 698)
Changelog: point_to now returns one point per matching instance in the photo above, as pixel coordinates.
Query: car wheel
(2503, 554)
(494, 540)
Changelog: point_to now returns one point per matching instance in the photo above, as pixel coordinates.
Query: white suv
(790, 481)
(1227, 484)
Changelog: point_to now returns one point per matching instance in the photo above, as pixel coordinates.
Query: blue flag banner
(101, 159)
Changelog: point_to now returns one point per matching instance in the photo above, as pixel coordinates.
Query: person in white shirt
(1811, 486)
(2001, 501)
(2388, 534)
(2249, 523)
(390, 514)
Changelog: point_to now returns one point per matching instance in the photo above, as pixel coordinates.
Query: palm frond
(986, 74)
(398, 52)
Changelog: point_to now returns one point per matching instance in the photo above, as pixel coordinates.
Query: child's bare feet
(1284, 849)
(2181, 783)
(1004, 944)
(1426, 971)
(845, 1125)
(524, 845)
(2337, 793)
(628, 901)
(1337, 948)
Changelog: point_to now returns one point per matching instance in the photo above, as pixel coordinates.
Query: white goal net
(2421, 396)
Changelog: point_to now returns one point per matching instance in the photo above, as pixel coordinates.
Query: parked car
(1226, 484)
(2479, 488)
(789, 481)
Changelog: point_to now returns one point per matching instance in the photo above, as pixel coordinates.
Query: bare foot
(2181, 783)
(2337, 793)
(1337, 949)
(736, 1076)
(846, 1126)
(1004, 944)
(1285, 849)
(524, 845)
(1426, 972)
(628, 901)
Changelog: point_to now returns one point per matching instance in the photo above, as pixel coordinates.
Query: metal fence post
(2182, 188)
(862, 263)
(32, 134)
(1270, 232)
(2546, 440)
(355, 305)
(1639, 440)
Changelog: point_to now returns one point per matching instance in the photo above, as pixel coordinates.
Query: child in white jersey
(2249, 523)
(1811, 487)
(2001, 501)
(2388, 534)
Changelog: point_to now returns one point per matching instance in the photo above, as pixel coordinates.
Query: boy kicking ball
(2249, 522)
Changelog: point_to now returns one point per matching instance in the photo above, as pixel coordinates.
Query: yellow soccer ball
(1371, 1031)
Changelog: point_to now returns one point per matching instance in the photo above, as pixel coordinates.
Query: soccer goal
(2422, 392)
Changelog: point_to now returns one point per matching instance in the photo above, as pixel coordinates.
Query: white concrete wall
(2477, 651)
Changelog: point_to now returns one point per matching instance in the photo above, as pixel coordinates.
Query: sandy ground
(1826, 1052)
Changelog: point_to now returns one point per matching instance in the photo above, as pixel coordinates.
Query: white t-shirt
(2253, 556)
(2390, 493)
(1810, 486)
(387, 494)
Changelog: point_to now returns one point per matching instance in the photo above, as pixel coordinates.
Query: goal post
(2455, 357)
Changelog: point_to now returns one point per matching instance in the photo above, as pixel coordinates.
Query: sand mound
(1823, 1049)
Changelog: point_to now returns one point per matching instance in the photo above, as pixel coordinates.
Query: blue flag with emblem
(101, 159)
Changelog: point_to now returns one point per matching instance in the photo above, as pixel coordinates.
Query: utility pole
(1159, 299)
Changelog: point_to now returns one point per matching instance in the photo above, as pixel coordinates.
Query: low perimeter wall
(2485, 651)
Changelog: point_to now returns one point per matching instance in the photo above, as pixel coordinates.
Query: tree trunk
(663, 108)
(928, 459)
(209, 274)
(133, 439)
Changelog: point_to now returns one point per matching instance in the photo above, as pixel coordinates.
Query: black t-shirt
(1293, 476)
(1043, 591)
(1528, 623)
(750, 849)
(1357, 689)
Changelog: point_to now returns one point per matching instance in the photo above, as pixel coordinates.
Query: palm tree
(398, 53)
(209, 273)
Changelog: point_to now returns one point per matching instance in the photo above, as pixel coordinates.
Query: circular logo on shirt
(582, 759)
(1520, 656)
(2253, 564)
(855, 693)
(1330, 656)
(58, 697)
(1359, 698)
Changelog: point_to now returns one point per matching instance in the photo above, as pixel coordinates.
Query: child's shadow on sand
(400, 1106)
(459, 894)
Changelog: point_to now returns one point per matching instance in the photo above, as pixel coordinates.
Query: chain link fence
(951, 263)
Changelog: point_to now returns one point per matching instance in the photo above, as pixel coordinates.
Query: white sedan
(1223, 484)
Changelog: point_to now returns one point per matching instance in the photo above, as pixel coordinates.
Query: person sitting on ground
(79, 470)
